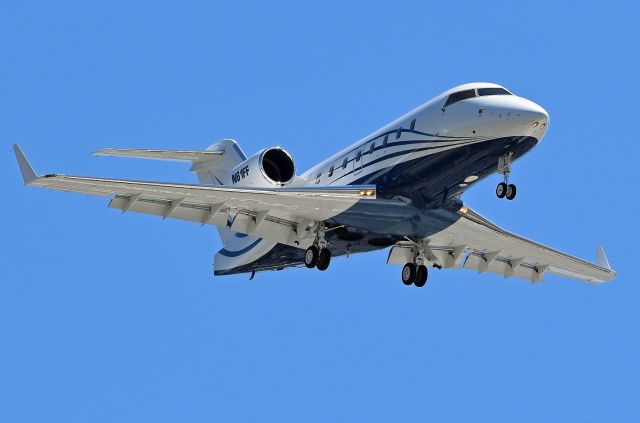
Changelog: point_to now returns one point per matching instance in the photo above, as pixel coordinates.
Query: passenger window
(399, 132)
(344, 162)
(330, 174)
(318, 177)
(372, 147)
(459, 96)
(413, 124)
(358, 155)
(386, 139)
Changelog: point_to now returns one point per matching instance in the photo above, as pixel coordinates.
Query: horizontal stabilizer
(193, 156)
(28, 174)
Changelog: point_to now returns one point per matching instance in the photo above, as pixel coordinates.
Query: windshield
(492, 91)
(459, 96)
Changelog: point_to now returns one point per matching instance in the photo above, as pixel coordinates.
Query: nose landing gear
(505, 189)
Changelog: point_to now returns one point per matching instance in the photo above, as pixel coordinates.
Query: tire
(501, 190)
(511, 192)
(324, 258)
(311, 257)
(408, 273)
(422, 273)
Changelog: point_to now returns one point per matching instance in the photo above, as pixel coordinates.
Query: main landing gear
(417, 275)
(505, 189)
(415, 272)
(318, 255)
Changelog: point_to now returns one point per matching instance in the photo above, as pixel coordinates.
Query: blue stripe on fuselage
(237, 253)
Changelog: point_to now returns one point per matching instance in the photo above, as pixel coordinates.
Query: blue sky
(111, 317)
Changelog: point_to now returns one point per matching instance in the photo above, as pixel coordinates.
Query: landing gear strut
(505, 189)
(318, 255)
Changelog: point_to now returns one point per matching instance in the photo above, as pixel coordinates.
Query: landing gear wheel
(501, 190)
(511, 192)
(311, 257)
(324, 258)
(422, 273)
(408, 273)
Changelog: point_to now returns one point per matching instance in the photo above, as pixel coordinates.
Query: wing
(473, 242)
(278, 214)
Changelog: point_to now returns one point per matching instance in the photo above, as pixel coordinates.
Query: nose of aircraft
(529, 109)
(526, 117)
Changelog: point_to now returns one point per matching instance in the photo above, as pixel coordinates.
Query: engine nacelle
(269, 167)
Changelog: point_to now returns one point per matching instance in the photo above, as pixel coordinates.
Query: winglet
(28, 174)
(602, 258)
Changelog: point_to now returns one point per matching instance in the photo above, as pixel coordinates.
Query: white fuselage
(501, 116)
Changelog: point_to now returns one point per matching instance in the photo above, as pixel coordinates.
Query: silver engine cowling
(270, 167)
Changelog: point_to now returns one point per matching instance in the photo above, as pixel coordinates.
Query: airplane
(398, 188)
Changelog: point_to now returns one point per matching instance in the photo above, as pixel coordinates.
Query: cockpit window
(493, 91)
(459, 96)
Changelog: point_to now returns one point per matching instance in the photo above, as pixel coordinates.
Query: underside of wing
(473, 242)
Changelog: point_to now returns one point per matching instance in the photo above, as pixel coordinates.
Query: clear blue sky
(111, 317)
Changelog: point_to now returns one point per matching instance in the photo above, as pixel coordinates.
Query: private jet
(398, 188)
